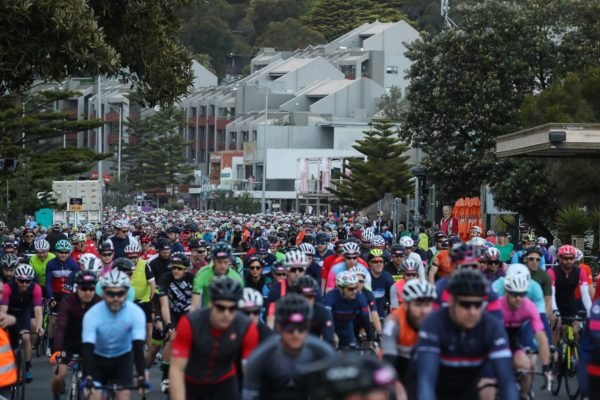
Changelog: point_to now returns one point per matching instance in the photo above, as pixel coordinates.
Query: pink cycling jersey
(514, 319)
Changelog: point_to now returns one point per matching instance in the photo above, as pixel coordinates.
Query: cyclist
(107, 255)
(381, 281)
(173, 233)
(410, 249)
(254, 276)
(529, 240)
(455, 341)
(8, 369)
(273, 370)
(518, 310)
(143, 284)
(313, 269)
(491, 265)
(113, 337)
(26, 246)
(402, 325)
(589, 350)
(175, 297)
(345, 305)
(351, 253)
(588, 273)
(221, 266)
(274, 247)
(121, 238)
(198, 251)
(8, 263)
(67, 341)
(251, 304)
(330, 261)
(23, 299)
(55, 235)
(213, 338)
(566, 277)
(160, 264)
(58, 275)
(40, 260)
(321, 323)
(410, 271)
(394, 266)
(373, 313)
(322, 242)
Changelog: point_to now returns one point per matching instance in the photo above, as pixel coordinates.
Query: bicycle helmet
(476, 230)
(439, 235)
(398, 250)
(251, 299)
(531, 250)
(518, 269)
(295, 258)
(115, 278)
(78, 238)
(121, 224)
(578, 255)
(351, 248)
(63, 245)
(180, 259)
(465, 254)
(261, 245)
(566, 250)
(358, 270)
(417, 289)
(56, 226)
(90, 262)
(253, 258)
(88, 228)
(377, 240)
(25, 272)
(323, 238)
(337, 377)
(529, 238)
(407, 241)
(124, 264)
(86, 278)
(367, 235)
(409, 264)
(346, 278)
(467, 282)
(292, 309)
(478, 242)
(516, 283)
(106, 246)
(523, 226)
(221, 250)
(273, 239)
(225, 288)
(132, 248)
(305, 285)
(542, 241)
(9, 261)
(41, 245)
(307, 249)
(375, 253)
(491, 254)
(309, 238)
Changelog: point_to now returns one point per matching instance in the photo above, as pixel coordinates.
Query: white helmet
(121, 224)
(418, 289)
(90, 262)
(25, 272)
(367, 235)
(518, 269)
(132, 248)
(377, 240)
(478, 241)
(542, 241)
(78, 237)
(307, 249)
(41, 245)
(358, 271)
(516, 283)
(115, 278)
(346, 278)
(407, 241)
(295, 258)
(251, 299)
(88, 228)
(351, 248)
(476, 229)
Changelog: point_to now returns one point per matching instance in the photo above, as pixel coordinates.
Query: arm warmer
(427, 366)
(138, 357)
(585, 298)
(87, 354)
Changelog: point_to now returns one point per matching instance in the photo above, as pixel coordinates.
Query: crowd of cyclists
(284, 306)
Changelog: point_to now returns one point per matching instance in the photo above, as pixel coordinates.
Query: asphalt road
(39, 388)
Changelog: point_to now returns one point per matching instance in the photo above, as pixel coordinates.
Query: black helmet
(163, 244)
(86, 278)
(292, 308)
(273, 239)
(531, 250)
(221, 250)
(124, 264)
(309, 238)
(467, 282)
(252, 258)
(439, 235)
(9, 261)
(261, 245)
(179, 258)
(225, 289)
(106, 246)
(194, 244)
(305, 284)
(190, 227)
(464, 253)
(337, 377)
(323, 237)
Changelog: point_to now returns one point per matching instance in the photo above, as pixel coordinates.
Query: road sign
(75, 204)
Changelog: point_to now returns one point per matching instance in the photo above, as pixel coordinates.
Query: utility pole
(445, 10)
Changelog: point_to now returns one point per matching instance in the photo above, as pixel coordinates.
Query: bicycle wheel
(571, 378)
(73, 392)
(18, 390)
(558, 373)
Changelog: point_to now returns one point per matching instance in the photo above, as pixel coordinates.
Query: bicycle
(41, 344)
(110, 391)
(72, 390)
(17, 391)
(565, 366)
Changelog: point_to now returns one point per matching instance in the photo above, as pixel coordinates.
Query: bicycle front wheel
(571, 378)
(558, 374)
(18, 390)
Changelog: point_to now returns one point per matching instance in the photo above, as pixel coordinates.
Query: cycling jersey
(203, 279)
(443, 296)
(398, 340)
(159, 266)
(39, 266)
(57, 276)
(120, 244)
(396, 293)
(396, 272)
(344, 312)
(320, 258)
(590, 351)
(449, 359)
(69, 322)
(111, 333)
(21, 304)
(534, 293)
(142, 274)
(179, 293)
(321, 323)
(515, 319)
(563, 290)
(263, 381)
(339, 267)
(381, 287)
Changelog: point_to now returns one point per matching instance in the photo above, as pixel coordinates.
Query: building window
(391, 69)
(254, 135)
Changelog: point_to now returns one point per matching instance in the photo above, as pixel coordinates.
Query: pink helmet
(566, 250)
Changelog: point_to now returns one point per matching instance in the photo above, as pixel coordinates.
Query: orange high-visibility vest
(8, 369)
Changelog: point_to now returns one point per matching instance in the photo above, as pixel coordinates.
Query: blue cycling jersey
(344, 312)
(534, 293)
(381, 287)
(112, 333)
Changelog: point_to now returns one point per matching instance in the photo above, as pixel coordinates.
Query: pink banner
(325, 173)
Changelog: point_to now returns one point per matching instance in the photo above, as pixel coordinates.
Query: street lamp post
(418, 171)
(264, 174)
(120, 142)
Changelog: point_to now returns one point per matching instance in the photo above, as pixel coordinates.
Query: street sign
(75, 204)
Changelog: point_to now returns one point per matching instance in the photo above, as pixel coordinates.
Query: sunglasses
(123, 230)
(351, 257)
(28, 236)
(297, 270)
(87, 288)
(292, 328)
(280, 273)
(107, 254)
(361, 281)
(178, 268)
(533, 259)
(24, 281)
(411, 275)
(567, 258)
(255, 268)
(63, 252)
(221, 308)
(113, 294)
(516, 294)
(351, 289)
(495, 262)
(187, 232)
(202, 251)
(470, 304)
(252, 312)
(378, 261)
(321, 243)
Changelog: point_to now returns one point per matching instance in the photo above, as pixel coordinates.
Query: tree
(53, 40)
(393, 105)
(384, 171)
(289, 35)
(333, 18)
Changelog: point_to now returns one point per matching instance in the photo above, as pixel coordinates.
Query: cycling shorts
(117, 370)
(57, 299)
(228, 389)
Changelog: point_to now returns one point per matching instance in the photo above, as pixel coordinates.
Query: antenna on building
(446, 15)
